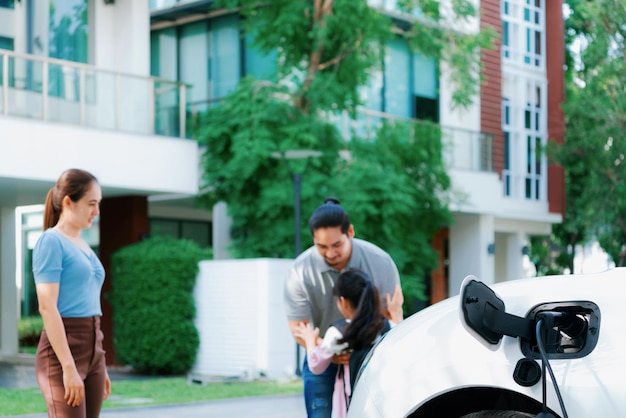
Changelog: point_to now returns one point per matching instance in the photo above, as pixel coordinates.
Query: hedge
(153, 304)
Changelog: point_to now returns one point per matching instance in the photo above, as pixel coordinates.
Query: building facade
(118, 102)
(509, 190)
(76, 91)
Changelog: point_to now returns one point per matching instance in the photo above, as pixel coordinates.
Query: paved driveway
(291, 406)
(279, 406)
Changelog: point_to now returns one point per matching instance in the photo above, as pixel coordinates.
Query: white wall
(8, 289)
(241, 320)
(482, 192)
(470, 237)
(142, 163)
(122, 36)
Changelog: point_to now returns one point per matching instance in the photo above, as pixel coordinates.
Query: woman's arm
(48, 295)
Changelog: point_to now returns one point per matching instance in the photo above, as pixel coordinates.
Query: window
(524, 128)
(397, 97)
(6, 43)
(372, 93)
(225, 50)
(200, 232)
(68, 32)
(205, 54)
(533, 134)
(426, 99)
(261, 66)
(426, 109)
(523, 29)
(506, 172)
(506, 128)
(67, 40)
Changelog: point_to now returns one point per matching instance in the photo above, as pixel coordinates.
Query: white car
(478, 354)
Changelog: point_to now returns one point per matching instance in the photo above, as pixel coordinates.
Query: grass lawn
(154, 391)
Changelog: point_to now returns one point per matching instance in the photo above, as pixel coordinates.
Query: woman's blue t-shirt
(80, 275)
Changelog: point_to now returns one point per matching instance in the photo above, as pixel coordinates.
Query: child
(358, 301)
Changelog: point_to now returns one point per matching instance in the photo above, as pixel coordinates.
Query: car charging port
(569, 329)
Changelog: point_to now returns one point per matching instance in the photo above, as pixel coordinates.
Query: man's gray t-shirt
(309, 287)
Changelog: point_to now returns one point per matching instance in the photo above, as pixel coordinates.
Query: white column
(121, 36)
(471, 239)
(509, 259)
(514, 256)
(9, 298)
(222, 224)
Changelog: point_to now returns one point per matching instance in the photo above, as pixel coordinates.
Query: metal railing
(463, 149)
(55, 90)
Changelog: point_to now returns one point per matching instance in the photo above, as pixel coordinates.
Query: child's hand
(307, 334)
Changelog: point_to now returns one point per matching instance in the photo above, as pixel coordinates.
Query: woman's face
(83, 212)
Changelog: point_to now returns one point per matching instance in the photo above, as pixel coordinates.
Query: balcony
(54, 90)
(463, 149)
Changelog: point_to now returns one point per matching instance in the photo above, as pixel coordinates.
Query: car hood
(431, 352)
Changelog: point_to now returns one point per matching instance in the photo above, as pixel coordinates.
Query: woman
(70, 362)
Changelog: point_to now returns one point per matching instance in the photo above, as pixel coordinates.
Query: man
(309, 289)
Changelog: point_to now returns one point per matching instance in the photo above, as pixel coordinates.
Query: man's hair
(330, 214)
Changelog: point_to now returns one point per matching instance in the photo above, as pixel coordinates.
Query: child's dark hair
(357, 287)
(330, 214)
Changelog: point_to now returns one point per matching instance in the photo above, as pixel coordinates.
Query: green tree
(595, 112)
(391, 179)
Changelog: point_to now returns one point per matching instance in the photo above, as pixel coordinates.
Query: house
(116, 102)
(76, 91)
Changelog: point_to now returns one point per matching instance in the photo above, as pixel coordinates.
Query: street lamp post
(297, 181)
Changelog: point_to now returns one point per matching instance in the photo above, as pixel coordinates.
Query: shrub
(153, 304)
(29, 329)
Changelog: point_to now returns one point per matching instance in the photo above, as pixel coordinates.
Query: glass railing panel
(462, 149)
(100, 108)
(25, 84)
(468, 150)
(64, 94)
(63, 91)
(167, 108)
(135, 104)
(366, 125)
